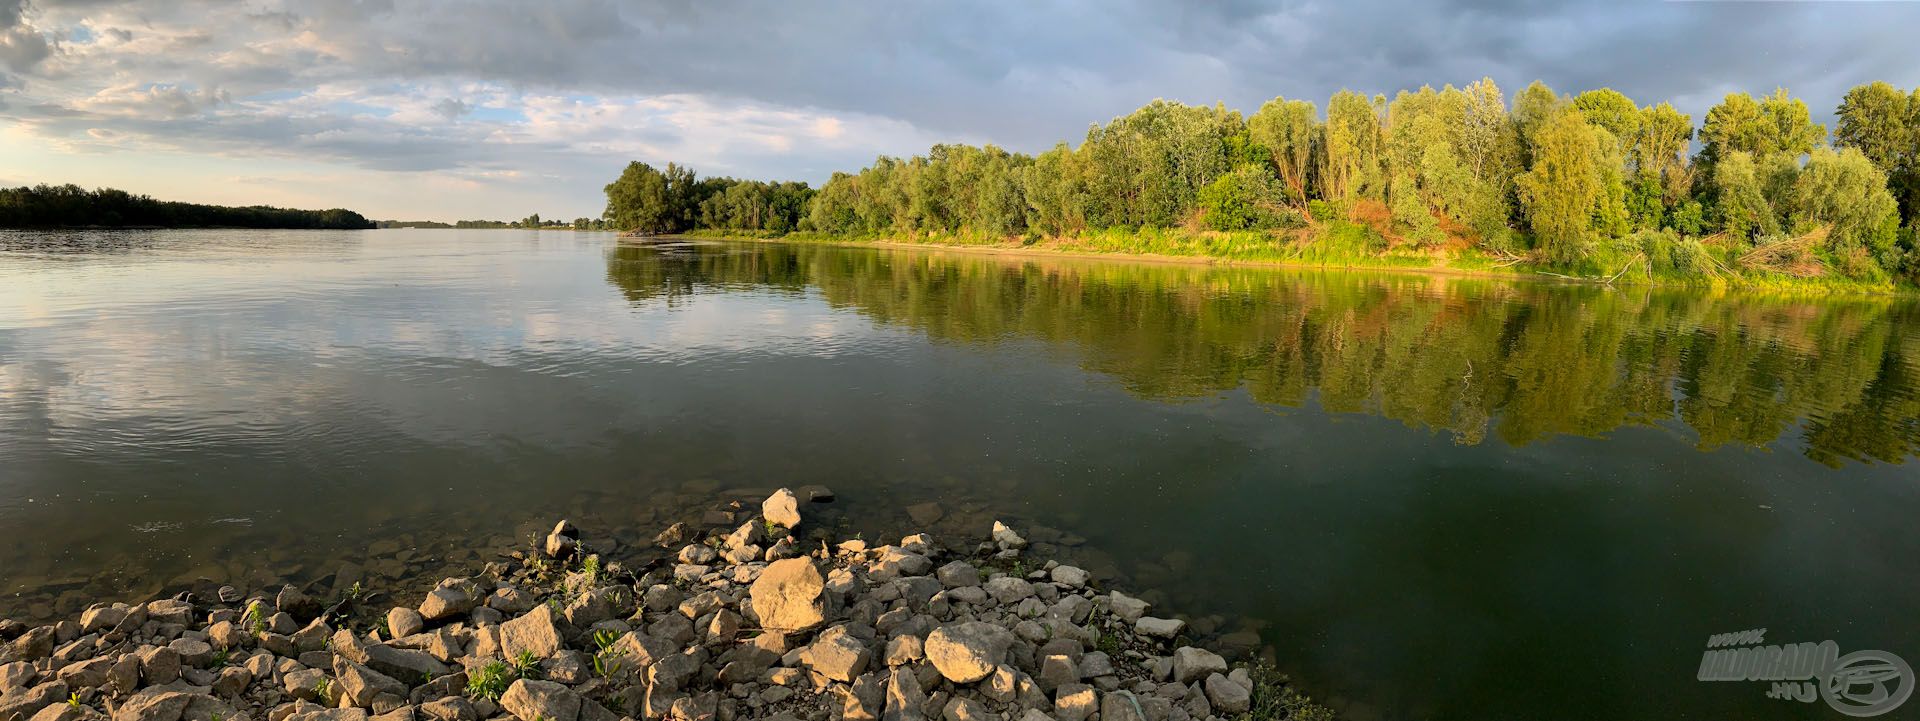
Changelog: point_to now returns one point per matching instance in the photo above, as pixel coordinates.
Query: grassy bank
(1641, 261)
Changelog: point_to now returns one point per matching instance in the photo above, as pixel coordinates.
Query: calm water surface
(1433, 497)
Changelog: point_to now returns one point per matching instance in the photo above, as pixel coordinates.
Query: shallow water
(1435, 497)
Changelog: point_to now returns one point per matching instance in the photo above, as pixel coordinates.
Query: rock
(905, 649)
(1005, 538)
(1034, 714)
(781, 509)
(452, 708)
(1159, 627)
(904, 697)
(673, 536)
(305, 683)
(193, 652)
(18, 674)
(925, 514)
(787, 596)
(837, 655)
(537, 700)
(968, 651)
(816, 494)
(327, 714)
(1056, 671)
(563, 542)
(169, 610)
(537, 632)
(672, 672)
(35, 644)
(68, 712)
(697, 554)
(958, 574)
(159, 665)
(1121, 706)
(225, 635)
(1127, 608)
(153, 704)
(638, 651)
(293, 602)
(1070, 576)
(24, 704)
(87, 674)
(1009, 590)
(510, 600)
(962, 708)
(1075, 702)
(232, 681)
(405, 664)
(124, 675)
(1095, 663)
(452, 599)
(1193, 664)
(896, 562)
(1228, 696)
(403, 622)
(102, 618)
(359, 685)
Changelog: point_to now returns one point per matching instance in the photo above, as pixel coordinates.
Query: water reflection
(1467, 357)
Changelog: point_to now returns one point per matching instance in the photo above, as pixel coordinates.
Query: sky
(449, 109)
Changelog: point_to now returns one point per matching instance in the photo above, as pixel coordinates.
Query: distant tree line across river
(1592, 183)
(71, 206)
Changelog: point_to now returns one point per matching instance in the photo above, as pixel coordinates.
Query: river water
(1432, 497)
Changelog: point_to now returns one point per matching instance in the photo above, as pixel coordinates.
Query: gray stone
(962, 708)
(1228, 696)
(1159, 627)
(1192, 664)
(159, 665)
(1121, 706)
(1075, 702)
(1005, 538)
(1008, 590)
(1127, 608)
(1070, 576)
(958, 574)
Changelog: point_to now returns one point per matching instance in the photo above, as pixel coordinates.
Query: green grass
(1336, 243)
(488, 682)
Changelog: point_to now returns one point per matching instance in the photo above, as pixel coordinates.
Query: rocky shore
(761, 621)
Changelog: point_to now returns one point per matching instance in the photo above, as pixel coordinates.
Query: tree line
(71, 206)
(1588, 180)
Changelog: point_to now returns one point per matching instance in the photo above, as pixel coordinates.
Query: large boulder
(968, 651)
(781, 509)
(788, 595)
(537, 632)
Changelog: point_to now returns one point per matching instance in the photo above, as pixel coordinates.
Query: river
(1432, 497)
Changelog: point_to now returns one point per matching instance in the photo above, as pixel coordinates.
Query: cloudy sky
(449, 109)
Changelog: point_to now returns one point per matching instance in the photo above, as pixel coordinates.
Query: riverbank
(1342, 247)
(773, 618)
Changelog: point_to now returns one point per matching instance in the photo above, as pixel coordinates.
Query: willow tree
(1742, 207)
(1289, 130)
(1560, 190)
(1846, 193)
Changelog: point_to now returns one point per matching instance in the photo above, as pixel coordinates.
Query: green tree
(1846, 192)
(1562, 187)
(1290, 130)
